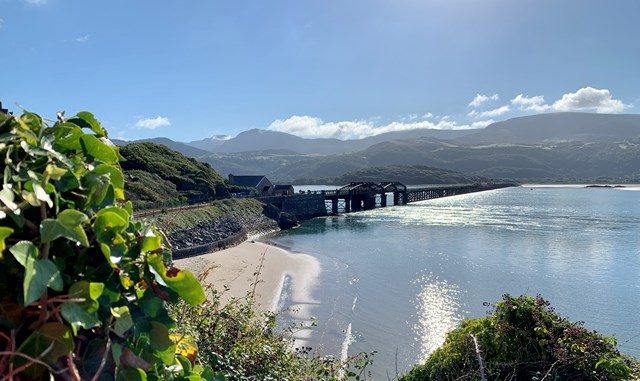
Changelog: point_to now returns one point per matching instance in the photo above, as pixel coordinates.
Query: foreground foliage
(240, 344)
(525, 340)
(83, 287)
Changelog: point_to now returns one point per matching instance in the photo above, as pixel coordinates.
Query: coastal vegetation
(167, 170)
(524, 339)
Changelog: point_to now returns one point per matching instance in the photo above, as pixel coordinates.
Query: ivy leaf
(53, 172)
(95, 148)
(161, 343)
(67, 225)
(181, 281)
(117, 179)
(79, 317)
(7, 197)
(53, 338)
(86, 119)
(4, 233)
(38, 274)
(89, 291)
(110, 222)
(124, 322)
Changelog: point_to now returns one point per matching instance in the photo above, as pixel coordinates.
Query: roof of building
(247, 181)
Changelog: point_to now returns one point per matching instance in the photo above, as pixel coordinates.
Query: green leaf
(78, 317)
(131, 374)
(89, 291)
(109, 222)
(67, 182)
(37, 276)
(115, 174)
(54, 338)
(151, 242)
(67, 225)
(4, 233)
(181, 281)
(161, 343)
(7, 197)
(49, 275)
(124, 321)
(53, 172)
(95, 148)
(86, 119)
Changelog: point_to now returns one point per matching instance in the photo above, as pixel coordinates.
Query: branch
(479, 356)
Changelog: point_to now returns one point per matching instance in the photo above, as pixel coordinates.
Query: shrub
(525, 340)
(83, 287)
(240, 344)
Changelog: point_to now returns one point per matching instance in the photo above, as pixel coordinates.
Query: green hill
(157, 173)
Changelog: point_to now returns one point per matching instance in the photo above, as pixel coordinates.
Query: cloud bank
(586, 99)
(312, 127)
(480, 99)
(153, 123)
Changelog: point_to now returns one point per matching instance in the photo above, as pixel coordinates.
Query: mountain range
(546, 146)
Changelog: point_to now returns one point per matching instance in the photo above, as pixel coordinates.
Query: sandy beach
(234, 274)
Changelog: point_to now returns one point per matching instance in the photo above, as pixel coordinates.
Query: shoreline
(280, 275)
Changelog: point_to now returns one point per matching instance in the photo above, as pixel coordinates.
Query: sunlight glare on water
(437, 307)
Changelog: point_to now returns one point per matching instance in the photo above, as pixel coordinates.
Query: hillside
(406, 174)
(154, 172)
(260, 140)
(572, 161)
(558, 127)
(186, 150)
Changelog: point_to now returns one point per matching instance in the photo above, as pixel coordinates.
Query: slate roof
(247, 181)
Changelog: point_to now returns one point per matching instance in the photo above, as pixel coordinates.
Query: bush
(240, 344)
(525, 340)
(83, 287)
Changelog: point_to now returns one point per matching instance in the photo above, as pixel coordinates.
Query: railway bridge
(358, 196)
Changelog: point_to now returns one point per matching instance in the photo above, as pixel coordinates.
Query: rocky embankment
(219, 230)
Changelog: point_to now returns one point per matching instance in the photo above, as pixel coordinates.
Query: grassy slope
(192, 179)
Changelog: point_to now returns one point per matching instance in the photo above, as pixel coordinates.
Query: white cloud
(427, 115)
(153, 123)
(311, 127)
(590, 99)
(36, 2)
(525, 103)
(480, 99)
(83, 39)
(490, 113)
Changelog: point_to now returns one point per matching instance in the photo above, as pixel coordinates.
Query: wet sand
(259, 270)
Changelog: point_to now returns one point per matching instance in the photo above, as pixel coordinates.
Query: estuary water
(396, 279)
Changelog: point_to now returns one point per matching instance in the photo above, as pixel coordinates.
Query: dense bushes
(241, 344)
(525, 340)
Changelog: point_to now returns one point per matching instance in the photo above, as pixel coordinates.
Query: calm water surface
(396, 279)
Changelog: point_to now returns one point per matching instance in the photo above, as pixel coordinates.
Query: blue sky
(188, 70)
